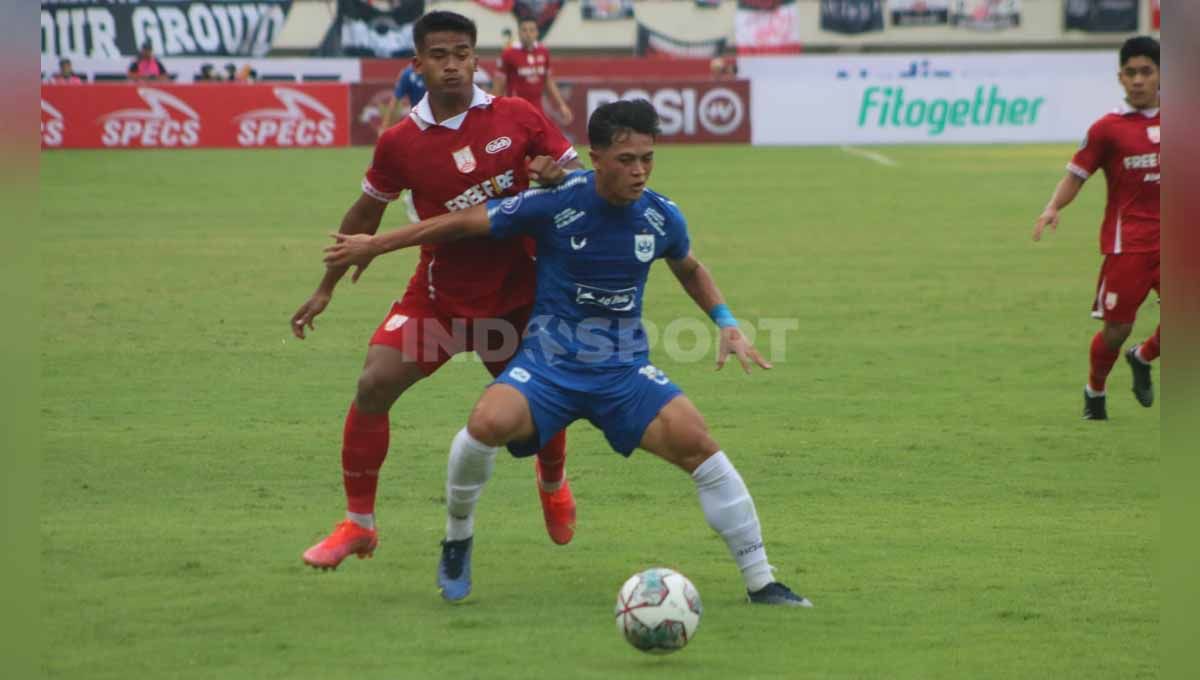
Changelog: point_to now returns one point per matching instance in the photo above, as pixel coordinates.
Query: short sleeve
(679, 243)
(526, 214)
(545, 139)
(1092, 153)
(384, 180)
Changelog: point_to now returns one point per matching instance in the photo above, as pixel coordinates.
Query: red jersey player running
(524, 71)
(457, 148)
(1125, 145)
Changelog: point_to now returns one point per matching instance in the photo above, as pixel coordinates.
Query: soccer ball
(658, 610)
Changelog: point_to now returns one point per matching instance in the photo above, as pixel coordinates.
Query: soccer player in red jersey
(524, 71)
(457, 148)
(1125, 145)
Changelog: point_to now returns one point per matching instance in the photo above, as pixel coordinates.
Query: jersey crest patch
(465, 160)
(643, 247)
(1154, 132)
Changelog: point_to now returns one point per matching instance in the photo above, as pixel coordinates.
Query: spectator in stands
(524, 71)
(147, 66)
(207, 73)
(246, 74)
(66, 74)
(723, 69)
(230, 72)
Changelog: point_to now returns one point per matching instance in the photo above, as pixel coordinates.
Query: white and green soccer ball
(658, 611)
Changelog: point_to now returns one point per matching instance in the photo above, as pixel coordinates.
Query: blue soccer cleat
(778, 594)
(454, 570)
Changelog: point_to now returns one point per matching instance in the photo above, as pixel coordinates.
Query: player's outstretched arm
(1066, 191)
(359, 249)
(702, 288)
(362, 218)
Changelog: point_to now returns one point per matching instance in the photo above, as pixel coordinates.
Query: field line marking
(870, 155)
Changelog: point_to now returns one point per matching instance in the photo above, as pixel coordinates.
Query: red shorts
(1125, 281)
(418, 329)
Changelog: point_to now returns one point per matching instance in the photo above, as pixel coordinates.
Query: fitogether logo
(886, 106)
(303, 121)
(167, 121)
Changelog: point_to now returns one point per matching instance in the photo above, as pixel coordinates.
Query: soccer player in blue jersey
(585, 354)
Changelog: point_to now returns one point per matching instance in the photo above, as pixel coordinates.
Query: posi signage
(180, 116)
(1020, 97)
(689, 111)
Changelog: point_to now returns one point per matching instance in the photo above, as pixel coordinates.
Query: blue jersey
(592, 262)
(411, 85)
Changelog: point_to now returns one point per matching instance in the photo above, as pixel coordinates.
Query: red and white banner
(689, 111)
(194, 116)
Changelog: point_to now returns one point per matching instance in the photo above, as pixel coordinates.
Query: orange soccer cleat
(558, 508)
(347, 539)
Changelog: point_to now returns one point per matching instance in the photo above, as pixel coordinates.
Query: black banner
(360, 30)
(851, 16)
(544, 12)
(110, 29)
(1102, 16)
(651, 42)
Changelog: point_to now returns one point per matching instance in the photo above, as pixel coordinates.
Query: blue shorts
(621, 402)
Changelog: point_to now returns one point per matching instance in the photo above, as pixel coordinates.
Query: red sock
(552, 457)
(364, 446)
(1102, 362)
(1149, 349)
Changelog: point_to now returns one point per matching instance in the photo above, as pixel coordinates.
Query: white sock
(1137, 354)
(470, 467)
(1094, 393)
(730, 512)
(366, 521)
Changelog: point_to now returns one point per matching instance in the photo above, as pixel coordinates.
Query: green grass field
(917, 456)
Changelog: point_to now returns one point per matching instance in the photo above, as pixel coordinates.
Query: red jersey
(525, 71)
(455, 164)
(1125, 144)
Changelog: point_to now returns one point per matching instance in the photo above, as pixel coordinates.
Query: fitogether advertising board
(931, 98)
(194, 116)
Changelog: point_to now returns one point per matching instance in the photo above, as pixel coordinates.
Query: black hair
(63, 62)
(442, 21)
(1140, 46)
(610, 119)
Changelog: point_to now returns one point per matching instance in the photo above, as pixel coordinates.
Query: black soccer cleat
(1143, 387)
(1094, 408)
(778, 594)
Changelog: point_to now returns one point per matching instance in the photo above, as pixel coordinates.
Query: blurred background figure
(723, 68)
(147, 66)
(524, 71)
(206, 73)
(66, 74)
(410, 88)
